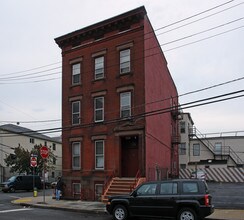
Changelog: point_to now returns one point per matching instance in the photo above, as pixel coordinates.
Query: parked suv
(21, 182)
(181, 199)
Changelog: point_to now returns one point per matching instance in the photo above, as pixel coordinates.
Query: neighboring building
(12, 136)
(119, 105)
(212, 152)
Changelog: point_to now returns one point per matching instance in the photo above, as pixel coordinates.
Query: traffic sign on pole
(44, 151)
(33, 161)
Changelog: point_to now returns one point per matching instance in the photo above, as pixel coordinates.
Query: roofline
(100, 24)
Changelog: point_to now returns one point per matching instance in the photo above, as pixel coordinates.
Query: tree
(19, 161)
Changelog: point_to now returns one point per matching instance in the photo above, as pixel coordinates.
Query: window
(76, 155)
(54, 161)
(125, 104)
(99, 154)
(76, 73)
(54, 146)
(168, 188)
(190, 187)
(218, 148)
(147, 189)
(75, 113)
(182, 127)
(182, 149)
(76, 188)
(99, 67)
(99, 109)
(125, 61)
(98, 191)
(32, 140)
(196, 149)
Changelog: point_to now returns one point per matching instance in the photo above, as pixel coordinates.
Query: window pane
(99, 148)
(125, 61)
(99, 109)
(147, 189)
(76, 155)
(76, 187)
(196, 149)
(190, 188)
(75, 112)
(182, 150)
(99, 67)
(168, 188)
(99, 162)
(76, 73)
(125, 104)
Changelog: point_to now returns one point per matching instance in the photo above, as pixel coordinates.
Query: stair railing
(107, 183)
(137, 177)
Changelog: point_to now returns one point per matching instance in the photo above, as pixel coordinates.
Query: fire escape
(224, 153)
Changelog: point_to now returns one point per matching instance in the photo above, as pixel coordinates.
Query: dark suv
(182, 199)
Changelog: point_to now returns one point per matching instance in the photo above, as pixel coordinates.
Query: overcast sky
(202, 51)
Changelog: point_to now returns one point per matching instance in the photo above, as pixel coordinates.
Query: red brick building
(119, 104)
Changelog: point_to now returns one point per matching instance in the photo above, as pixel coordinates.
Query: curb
(48, 206)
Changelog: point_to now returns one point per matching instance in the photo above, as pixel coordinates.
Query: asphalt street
(224, 196)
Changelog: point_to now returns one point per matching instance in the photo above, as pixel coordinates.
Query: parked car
(199, 174)
(21, 182)
(181, 199)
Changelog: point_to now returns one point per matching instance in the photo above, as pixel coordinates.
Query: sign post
(44, 152)
(33, 163)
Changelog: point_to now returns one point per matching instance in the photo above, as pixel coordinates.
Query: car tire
(12, 190)
(120, 212)
(187, 214)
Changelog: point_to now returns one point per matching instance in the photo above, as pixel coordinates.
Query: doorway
(129, 156)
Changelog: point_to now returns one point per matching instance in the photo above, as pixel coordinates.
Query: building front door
(129, 156)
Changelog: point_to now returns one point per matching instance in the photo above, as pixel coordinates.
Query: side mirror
(134, 194)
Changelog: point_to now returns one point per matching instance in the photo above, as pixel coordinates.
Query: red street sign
(44, 151)
(33, 161)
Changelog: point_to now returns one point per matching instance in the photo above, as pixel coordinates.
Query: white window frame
(76, 73)
(99, 155)
(99, 109)
(99, 67)
(125, 104)
(125, 61)
(76, 155)
(75, 113)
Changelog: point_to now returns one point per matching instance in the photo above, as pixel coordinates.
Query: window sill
(125, 74)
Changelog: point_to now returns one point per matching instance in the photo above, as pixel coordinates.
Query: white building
(219, 154)
(12, 136)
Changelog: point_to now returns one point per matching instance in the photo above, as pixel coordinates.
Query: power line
(192, 16)
(201, 32)
(192, 104)
(200, 19)
(35, 68)
(138, 106)
(203, 39)
(145, 34)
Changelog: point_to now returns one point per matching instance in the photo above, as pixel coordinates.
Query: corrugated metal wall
(227, 175)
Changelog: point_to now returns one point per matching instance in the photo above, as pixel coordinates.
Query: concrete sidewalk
(99, 207)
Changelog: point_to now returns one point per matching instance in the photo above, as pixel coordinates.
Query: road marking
(15, 210)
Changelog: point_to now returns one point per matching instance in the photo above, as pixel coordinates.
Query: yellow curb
(23, 200)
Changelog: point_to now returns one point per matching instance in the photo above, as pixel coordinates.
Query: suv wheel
(120, 212)
(187, 214)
